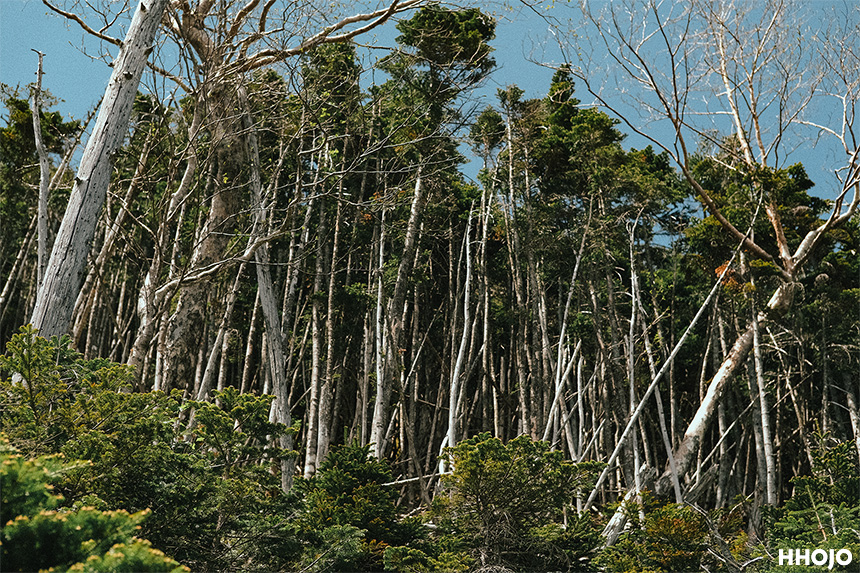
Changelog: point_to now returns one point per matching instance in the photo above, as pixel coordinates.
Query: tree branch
(82, 24)
(379, 17)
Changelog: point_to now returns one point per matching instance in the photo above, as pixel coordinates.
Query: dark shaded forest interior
(268, 323)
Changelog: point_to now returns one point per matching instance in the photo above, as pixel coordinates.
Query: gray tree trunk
(274, 356)
(66, 266)
(44, 172)
(395, 329)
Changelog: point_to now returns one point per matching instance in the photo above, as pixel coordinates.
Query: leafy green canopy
(448, 38)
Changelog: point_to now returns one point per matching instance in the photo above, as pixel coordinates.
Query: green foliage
(506, 501)
(736, 189)
(214, 494)
(85, 539)
(137, 556)
(405, 559)
(824, 509)
(53, 403)
(233, 428)
(671, 537)
(337, 548)
(348, 492)
(487, 132)
(441, 53)
(27, 485)
(447, 38)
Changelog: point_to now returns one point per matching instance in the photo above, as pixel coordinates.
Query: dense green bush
(347, 513)
(213, 491)
(660, 537)
(38, 534)
(507, 502)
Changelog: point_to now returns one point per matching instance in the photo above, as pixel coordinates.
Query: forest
(258, 314)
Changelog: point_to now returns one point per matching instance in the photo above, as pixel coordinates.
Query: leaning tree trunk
(66, 266)
(778, 305)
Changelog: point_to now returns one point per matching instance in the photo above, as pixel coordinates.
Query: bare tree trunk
(44, 172)
(455, 390)
(327, 388)
(195, 300)
(66, 266)
(220, 338)
(767, 435)
(312, 414)
(853, 411)
(280, 409)
(16, 267)
(149, 306)
(247, 375)
(395, 328)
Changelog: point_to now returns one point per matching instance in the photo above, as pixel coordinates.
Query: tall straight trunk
(247, 368)
(44, 173)
(484, 293)
(455, 384)
(195, 300)
(826, 421)
(369, 355)
(767, 434)
(395, 327)
(64, 272)
(520, 339)
(312, 414)
(631, 365)
(280, 409)
(760, 481)
(327, 388)
(377, 420)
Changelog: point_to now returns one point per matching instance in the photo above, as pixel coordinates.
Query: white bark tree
(66, 266)
(44, 172)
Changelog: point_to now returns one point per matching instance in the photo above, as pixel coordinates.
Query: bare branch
(82, 24)
(377, 18)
